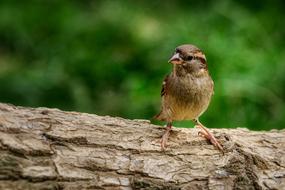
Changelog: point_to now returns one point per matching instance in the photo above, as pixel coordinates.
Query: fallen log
(43, 148)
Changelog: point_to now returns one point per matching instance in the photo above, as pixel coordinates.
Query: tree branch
(52, 149)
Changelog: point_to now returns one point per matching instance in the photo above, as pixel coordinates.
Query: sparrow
(186, 92)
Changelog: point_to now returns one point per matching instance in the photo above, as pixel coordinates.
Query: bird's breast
(189, 97)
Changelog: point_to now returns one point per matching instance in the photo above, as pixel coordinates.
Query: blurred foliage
(110, 57)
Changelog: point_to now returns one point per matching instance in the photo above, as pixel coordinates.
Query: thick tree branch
(52, 149)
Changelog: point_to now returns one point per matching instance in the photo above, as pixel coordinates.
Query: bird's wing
(163, 92)
(164, 86)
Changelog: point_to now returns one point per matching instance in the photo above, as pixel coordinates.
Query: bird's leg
(165, 136)
(207, 134)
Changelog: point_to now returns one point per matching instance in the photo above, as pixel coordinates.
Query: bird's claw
(162, 143)
(164, 137)
(210, 137)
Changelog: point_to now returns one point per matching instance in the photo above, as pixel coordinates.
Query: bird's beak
(175, 59)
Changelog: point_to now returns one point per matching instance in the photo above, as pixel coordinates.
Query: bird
(186, 92)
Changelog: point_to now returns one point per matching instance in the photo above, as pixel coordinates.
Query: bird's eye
(189, 58)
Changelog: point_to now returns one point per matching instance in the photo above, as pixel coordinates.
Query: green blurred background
(110, 57)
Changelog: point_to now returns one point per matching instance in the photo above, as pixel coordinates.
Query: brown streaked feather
(162, 94)
(199, 55)
(164, 86)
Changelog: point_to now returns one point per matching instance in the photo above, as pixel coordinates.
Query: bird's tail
(159, 116)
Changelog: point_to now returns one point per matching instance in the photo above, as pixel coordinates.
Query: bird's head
(188, 59)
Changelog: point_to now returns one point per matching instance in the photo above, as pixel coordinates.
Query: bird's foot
(209, 136)
(165, 136)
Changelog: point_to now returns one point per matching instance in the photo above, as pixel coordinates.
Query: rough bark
(52, 149)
